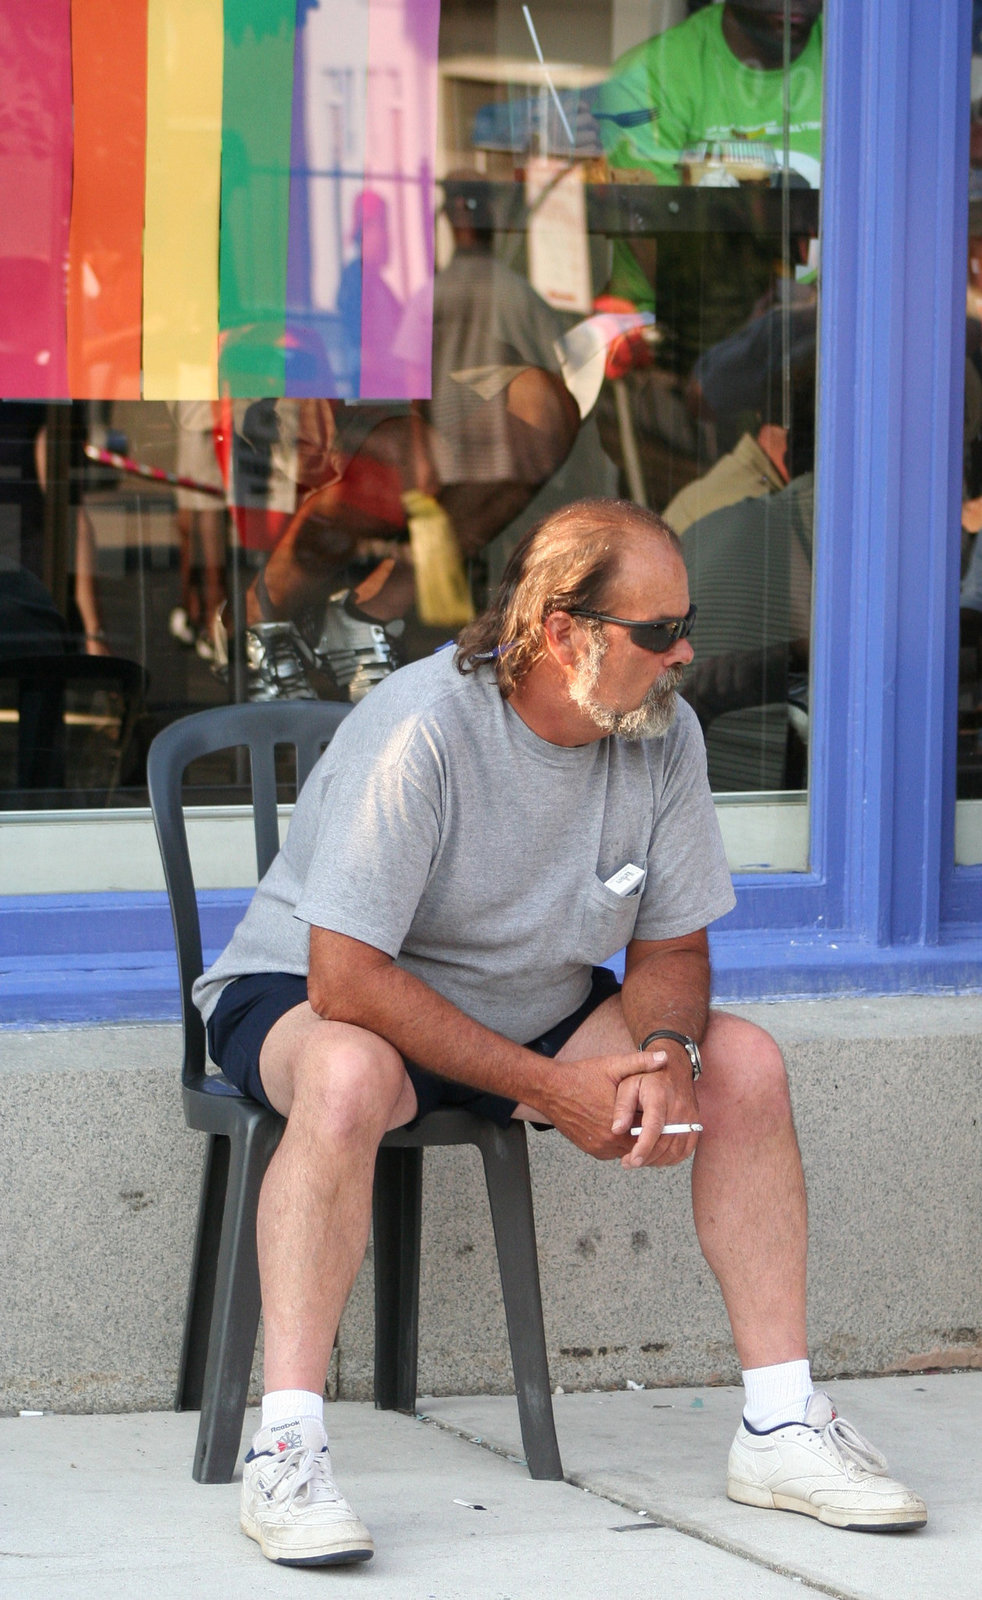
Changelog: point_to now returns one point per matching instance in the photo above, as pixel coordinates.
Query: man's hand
(595, 1102)
(668, 1098)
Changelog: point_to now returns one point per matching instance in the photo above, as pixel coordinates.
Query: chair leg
(397, 1218)
(204, 1265)
(237, 1302)
(506, 1169)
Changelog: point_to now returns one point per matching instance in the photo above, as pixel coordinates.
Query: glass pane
(600, 277)
(712, 132)
(968, 823)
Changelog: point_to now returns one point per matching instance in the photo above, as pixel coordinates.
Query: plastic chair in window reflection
(76, 718)
(749, 568)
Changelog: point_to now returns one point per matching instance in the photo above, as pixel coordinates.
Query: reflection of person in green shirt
(714, 79)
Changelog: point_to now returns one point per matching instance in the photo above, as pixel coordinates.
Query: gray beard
(650, 720)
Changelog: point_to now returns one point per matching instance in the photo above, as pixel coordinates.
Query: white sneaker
(823, 1468)
(291, 1505)
(179, 627)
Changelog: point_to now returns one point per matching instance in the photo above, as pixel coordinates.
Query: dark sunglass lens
(660, 636)
(655, 636)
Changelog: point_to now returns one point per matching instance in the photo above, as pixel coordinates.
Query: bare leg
(86, 585)
(211, 529)
(341, 1089)
(748, 1190)
(185, 531)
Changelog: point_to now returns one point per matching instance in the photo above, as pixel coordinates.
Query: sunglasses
(658, 636)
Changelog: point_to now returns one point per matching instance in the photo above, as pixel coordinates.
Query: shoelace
(299, 1469)
(851, 1447)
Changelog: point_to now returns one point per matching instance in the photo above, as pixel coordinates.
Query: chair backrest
(306, 725)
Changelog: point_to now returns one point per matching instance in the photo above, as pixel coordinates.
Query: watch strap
(689, 1046)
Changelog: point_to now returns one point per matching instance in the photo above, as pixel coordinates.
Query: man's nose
(680, 654)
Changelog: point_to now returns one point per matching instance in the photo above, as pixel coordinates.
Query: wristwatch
(688, 1045)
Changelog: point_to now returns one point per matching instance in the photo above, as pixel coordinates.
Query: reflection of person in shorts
(486, 830)
(200, 528)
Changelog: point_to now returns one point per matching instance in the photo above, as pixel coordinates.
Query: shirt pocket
(606, 921)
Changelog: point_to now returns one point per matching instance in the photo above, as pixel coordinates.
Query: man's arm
(353, 982)
(666, 985)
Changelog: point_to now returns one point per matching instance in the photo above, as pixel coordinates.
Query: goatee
(650, 720)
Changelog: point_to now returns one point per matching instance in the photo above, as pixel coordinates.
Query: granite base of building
(100, 1182)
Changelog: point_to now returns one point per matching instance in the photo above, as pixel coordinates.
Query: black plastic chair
(224, 1299)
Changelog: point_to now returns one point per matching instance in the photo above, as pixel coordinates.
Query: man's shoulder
(407, 728)
(429, 691)
(653, 92)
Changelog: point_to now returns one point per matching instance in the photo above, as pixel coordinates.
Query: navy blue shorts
(248, 1007)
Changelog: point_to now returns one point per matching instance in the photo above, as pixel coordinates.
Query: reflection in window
(447, 295)
(969, 786)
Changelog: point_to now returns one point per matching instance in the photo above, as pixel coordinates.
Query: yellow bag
(443, 598)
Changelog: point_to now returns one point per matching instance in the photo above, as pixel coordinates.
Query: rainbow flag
(216, 198)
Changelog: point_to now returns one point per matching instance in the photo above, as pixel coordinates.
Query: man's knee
(349, 1085)
(744, 1063)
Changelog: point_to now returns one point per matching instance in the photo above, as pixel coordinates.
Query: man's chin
(651, 720)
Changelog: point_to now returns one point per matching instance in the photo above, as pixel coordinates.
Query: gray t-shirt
(439, 828)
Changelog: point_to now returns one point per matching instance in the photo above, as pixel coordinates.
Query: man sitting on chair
(485, 829)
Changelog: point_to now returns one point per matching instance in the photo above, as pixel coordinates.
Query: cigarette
(676, 1127)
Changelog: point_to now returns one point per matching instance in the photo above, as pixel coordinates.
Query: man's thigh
(603, 1032)
(266, 1038)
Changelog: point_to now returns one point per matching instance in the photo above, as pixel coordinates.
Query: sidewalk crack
(689, 1530)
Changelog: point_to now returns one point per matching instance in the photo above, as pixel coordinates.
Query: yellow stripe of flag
(180, 245)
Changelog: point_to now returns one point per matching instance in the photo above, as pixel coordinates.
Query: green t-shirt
(686, 86)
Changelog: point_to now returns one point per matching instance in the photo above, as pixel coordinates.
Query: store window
(968, 823)
(351, 301)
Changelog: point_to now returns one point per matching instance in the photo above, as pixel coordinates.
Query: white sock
(282, 1405)
(777, 1394)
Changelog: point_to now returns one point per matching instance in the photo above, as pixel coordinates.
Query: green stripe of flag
(257, 94)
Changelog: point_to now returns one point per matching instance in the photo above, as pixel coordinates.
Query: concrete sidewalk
(97, 1505)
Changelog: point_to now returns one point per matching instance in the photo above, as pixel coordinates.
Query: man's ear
(561, 637)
